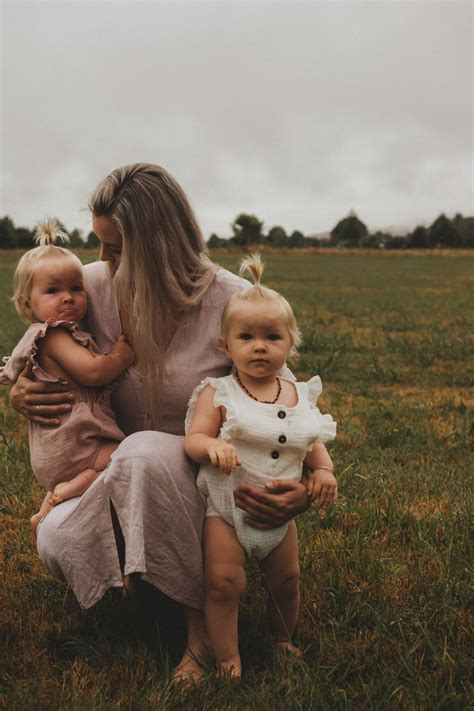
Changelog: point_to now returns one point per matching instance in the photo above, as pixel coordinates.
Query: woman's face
(110, 241)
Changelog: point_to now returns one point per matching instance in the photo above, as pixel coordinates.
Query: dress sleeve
(27, 351)
(221, 397)
(327, 426)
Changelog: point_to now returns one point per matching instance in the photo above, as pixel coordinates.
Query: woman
(157, 287)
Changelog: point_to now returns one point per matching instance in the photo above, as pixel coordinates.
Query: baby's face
(57, 292)
(257, 340)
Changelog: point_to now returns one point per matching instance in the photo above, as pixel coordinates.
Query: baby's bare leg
(224, 572)
(45, 508)
(79, 485)
(103, 455)
(281, 572)
(75, 487)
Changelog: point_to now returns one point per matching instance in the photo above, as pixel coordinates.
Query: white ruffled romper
(272, 441)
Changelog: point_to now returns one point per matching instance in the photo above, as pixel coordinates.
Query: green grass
(386, 619)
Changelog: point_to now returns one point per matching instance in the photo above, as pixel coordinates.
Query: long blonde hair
(163, 270)
(252, 266)
(49, 235)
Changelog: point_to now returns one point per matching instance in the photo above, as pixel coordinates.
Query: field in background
(386, 614)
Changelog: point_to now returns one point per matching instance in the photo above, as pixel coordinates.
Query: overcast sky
(297, 112)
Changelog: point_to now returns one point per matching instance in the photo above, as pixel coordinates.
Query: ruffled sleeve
(221, 397)
(327, 426)
(27, 351)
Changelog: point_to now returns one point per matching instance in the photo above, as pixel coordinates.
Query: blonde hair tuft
(50, 233)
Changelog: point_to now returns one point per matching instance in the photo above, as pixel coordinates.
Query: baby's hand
(224, 456)
(122, 350)
(321, 486)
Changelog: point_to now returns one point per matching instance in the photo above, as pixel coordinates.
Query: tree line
(249, 230)
(352, 232)
(12, 237)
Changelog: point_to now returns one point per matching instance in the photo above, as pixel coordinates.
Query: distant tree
(76, 239)
(247, 230)
(314, 242)
(296, 239)
(92, 241)
(25, 238)
(396, 242)
(277, 237)
(349, 231)
(442, 233)
(375, 240)
(7, 233)
(418, 239)
(464, 226)
(215, 241)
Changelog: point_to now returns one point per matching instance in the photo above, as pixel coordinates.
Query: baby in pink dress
(50, 296)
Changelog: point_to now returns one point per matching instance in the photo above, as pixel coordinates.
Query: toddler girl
(254, 426)
(50, 296)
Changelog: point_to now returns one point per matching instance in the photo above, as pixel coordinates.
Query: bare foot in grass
(231, 668)
(287, 647)
(287, 657)
(189, 670)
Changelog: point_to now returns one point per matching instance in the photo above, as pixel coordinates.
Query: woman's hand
(273, 506)
(38, 401)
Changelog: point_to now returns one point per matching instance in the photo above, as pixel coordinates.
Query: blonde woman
(159, 289)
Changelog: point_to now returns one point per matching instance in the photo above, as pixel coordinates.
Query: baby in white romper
(254, 427)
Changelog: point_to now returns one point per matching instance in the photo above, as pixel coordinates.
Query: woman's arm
(86, 369)
(201, 443)
(282, 500)
(39, 401)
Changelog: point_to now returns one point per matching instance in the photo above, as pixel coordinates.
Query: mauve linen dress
(150, 481)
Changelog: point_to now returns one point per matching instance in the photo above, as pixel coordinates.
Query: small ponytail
(252, 266)
(50, 233)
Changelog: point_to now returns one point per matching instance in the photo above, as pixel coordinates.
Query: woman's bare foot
(189, 671)
(231, 668)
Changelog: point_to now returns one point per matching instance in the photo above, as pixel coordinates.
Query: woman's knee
(158, 452)
(225, 582)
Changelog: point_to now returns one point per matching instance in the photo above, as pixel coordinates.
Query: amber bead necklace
(265, 402)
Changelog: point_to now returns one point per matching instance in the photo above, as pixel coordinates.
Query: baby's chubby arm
(201, 442)
(321, 484)
(86, 369)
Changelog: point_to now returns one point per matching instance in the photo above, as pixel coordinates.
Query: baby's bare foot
(35, 520)
(189, 671)
(231, 668)
(59, 494)
(287, 646)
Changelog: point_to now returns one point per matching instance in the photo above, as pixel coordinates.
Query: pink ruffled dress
(60, 453)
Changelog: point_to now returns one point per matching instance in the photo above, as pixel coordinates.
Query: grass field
(386, 618)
